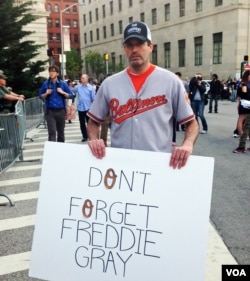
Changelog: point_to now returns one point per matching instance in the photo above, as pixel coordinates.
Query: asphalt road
(230, 208)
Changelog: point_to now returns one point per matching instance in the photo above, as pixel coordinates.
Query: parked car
(206, 83)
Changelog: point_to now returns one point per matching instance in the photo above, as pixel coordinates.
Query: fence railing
(13, 129)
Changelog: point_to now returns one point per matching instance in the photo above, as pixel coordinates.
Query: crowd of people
(123, 109)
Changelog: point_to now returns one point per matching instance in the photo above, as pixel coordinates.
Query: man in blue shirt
(85, 96)
(55, 92)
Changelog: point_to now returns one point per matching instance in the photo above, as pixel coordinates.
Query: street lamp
(62, 39)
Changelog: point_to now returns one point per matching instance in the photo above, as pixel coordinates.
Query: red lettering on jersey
(134, 107)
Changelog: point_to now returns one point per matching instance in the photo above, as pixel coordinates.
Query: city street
(229, 234)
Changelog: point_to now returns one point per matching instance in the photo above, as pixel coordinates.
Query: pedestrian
(233, 85)
(198, 99)
(243, 94)
(142, 101)
(215, 90)
(246, 133)
(55, 93)
(85, 96)
(8, 98)
(70, 108)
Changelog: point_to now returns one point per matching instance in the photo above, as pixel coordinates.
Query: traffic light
(51, 53)
(106, 57)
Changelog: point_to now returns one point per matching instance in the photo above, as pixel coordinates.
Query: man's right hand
(97, 147)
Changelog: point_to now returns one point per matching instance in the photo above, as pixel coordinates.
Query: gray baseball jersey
(143, 120)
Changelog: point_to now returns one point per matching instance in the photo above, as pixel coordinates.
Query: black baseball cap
(137, 30)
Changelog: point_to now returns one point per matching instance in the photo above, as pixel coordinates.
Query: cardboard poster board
(126, 217)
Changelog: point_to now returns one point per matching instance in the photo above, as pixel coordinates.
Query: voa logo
(236, 272)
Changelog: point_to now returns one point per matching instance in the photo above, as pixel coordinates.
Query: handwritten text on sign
(128, 238)
(117, 219)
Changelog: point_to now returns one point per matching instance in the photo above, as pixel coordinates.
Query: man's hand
(180, 156)
(97, 147)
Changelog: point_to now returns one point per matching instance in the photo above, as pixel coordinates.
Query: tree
(94, 62)
(73, 64)
(16, 52)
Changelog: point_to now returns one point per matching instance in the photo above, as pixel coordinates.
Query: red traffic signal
(51, 53)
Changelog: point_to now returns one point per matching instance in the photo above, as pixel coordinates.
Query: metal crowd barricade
(13, 129)
(10, 143)
(34, 109)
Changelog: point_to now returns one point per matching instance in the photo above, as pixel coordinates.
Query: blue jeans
(198, 108)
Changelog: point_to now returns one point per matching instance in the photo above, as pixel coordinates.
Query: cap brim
(3, 77)
(142, 38)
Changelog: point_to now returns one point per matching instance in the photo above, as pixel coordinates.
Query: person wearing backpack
(54, 92)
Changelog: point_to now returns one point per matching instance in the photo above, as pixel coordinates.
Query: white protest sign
(126, 217)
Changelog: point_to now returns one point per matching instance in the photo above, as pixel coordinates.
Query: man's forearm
(191, 133)
(93, 129)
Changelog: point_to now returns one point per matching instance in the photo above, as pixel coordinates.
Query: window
(104, 32)
(217, 48)
(167, 12)
(48, 8)
(198, 46)
(58, 37)
(49, 22)
(97, 34)
(181, 49)
(198, 5)
(91, 36)
(167, 55)
(85, 38)
(90, 17)
(74, 10)
(182, 8)
(112, 31)
(50, 36)
(119, 5)
(112, 55)
(76, 39)
(130, 19)
(68, 22)
(154, 17)
(67, 11)
(56, 8)
(96, 14)
(130, 3)
(111, 7)
(75, 24)
(142, 17)
(120, 27)
(57, 23)
(103, 11)
(218, 2)
(154, 55)
(84, 19)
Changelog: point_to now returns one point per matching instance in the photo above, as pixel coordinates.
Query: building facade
(189, 35)
(40, 28)
(66, 11)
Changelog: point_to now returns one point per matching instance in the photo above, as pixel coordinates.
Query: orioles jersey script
(142, 119)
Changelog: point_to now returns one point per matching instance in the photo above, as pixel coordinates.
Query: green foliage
(94, 63)
(73, 64)
(16, 52)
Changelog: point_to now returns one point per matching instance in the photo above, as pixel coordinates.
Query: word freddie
(110, 235)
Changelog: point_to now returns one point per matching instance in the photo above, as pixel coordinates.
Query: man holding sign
(142, 101)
